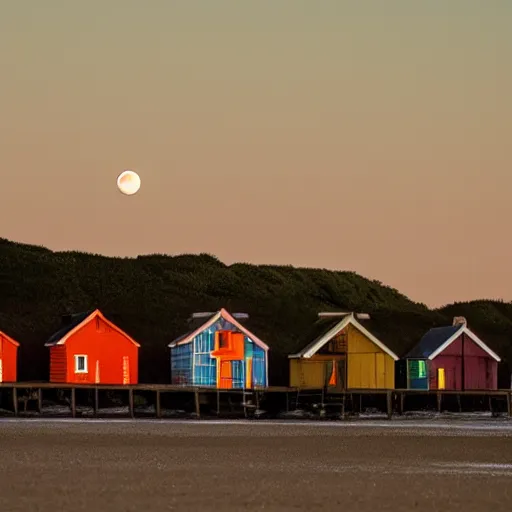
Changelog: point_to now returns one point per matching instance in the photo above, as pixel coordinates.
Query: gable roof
(199, 325)
(436, 340)
(9, 339)
(79, 320)
(334, 328)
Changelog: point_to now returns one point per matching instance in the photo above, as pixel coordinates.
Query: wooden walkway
(290, 398)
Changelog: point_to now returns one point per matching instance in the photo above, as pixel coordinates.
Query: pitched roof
(331, 328)
(9, 339)
(431, 341)
(436, 340)
(198, 325)
(76, 322)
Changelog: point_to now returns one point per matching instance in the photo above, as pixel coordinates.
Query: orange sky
(369, 136)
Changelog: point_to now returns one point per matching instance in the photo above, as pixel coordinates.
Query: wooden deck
(395, 399)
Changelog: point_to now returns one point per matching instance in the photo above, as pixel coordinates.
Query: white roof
(311, 349)
(470, 334)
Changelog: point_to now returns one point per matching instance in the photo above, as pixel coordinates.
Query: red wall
(100, 343)
(480, 369)
(9, 357)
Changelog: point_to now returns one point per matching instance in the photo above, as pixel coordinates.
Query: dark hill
(152, 296)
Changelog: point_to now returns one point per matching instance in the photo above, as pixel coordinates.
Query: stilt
(402, 402)
(287, 402)
(439, 402)
(389, 400)
(73, 402)
(15, 401)
(218, 402)
(509, 404)
(459, 402)
(490, 405)
(40, 400)
(343, 405)
(130, 398)
(198, 408)
(157, 405)
(96, 401)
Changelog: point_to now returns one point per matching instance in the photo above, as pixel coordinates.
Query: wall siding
(58, 364)
(9, 358)
(480, 369)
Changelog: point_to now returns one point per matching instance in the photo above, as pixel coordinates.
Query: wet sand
(146, 466)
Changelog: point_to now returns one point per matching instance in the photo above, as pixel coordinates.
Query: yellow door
(441, 380)
(380, 370)
(126, 370)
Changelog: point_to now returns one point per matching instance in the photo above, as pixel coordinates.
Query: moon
(128, 182)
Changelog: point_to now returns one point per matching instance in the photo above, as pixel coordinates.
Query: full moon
(128, 182)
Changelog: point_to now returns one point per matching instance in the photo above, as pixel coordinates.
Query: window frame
(77, 358)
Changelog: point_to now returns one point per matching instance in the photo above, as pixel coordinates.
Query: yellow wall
(369, 367)
(307, 373)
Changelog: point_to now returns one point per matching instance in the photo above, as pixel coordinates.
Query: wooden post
(130, 400)
(218, 402)
(343, 405)
(15, 401)
(389, 400)
(73, 402)
(459, 402)
(287, 402)
(490, 405)
(96, 401)
(40, 400)
(158, 408)
(402, 400)
(439, 401)
(196, 399)
(509, 404)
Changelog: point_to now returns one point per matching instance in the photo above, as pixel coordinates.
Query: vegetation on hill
(151, 297)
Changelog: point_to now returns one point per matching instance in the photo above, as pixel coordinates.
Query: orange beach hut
(90, 349)
(8, 358)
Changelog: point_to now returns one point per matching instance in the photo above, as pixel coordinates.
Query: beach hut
(219, 351)
(8, 358)
(343, 355)
(452, 358)
(90, 349)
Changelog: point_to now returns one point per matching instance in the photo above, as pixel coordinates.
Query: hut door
(126, 370)
(225, 375)
(441, 381)
(380, 371)
(342, 374)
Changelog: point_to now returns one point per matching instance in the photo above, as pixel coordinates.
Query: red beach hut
(452, 358)
(8, 358)
(90, 349)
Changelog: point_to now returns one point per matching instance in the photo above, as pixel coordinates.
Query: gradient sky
(373, 136)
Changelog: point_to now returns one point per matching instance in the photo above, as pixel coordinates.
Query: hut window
(422, 369)
(223, 339)
(80, 364)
